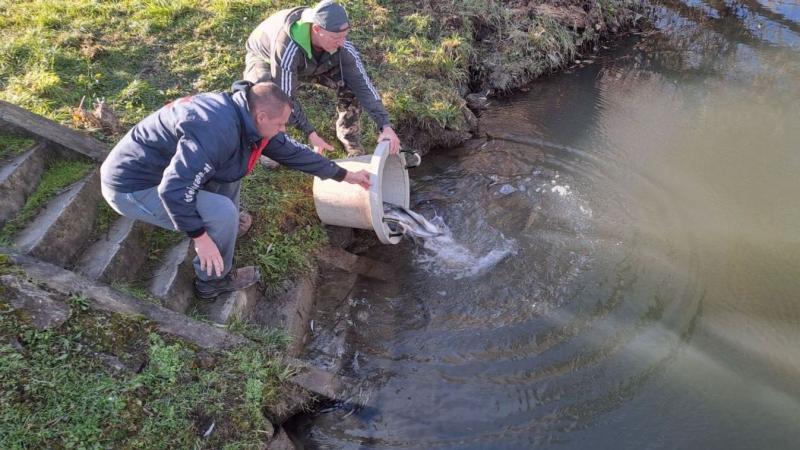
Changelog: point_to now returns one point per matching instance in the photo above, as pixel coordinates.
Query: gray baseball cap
(329, 15)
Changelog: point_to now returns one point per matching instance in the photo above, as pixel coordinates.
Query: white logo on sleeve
(191, 191)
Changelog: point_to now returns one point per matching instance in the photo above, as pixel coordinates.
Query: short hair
(267, 97)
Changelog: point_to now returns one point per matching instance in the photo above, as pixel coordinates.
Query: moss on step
(12, 144)
(57, 176)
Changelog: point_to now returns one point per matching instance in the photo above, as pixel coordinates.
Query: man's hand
(360, 178)
(318, 144)
(388, 134)
(210, 258)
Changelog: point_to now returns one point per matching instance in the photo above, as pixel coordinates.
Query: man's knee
(219, 213)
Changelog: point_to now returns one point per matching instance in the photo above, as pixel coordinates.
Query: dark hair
(267, 97)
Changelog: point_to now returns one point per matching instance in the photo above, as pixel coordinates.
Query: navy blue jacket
(192, 141)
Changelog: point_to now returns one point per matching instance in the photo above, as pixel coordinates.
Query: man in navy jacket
(180, 168)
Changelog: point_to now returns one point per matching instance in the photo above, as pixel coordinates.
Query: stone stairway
(18, 179)
(63, 232)
(59, 232)
(60, 251)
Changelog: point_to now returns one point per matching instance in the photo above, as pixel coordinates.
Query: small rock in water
(507, 189)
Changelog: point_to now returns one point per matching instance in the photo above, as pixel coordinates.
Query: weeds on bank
(12, 144)
(285, 228)
(105, 217)
(56, 391)
(57, 176)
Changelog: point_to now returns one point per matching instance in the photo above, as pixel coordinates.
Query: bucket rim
(377, 163)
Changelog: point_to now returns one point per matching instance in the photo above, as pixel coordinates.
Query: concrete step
(19, 178)
(117, 255)
(105, 298)
(232, 306)
(330, 321)
(340, 308)
(173, 278)
(290, 308)
(60, 231)
(337, 257)
(12, 117)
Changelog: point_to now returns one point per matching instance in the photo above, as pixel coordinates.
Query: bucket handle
(392, 233)
(413, 156)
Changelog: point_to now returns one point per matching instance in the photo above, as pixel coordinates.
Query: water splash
(442, 255)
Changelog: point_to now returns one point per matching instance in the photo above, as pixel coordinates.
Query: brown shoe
(245, 222)
(237, 279)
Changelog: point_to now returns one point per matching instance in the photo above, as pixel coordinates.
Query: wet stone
(292, 401)
(113, 362)
(339, 236)
(281, 441)
(230, 306)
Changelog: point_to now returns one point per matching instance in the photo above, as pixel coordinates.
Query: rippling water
(622, 270)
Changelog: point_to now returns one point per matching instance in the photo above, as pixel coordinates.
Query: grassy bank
(103, 381)
(424, 56)
(137, 55)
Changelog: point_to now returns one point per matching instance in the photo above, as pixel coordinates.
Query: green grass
(12, 144)
(140, 54)
(136, 289)
(57, 176)
(105, 217)
(285, 228)
(55, 393)
(158, 242)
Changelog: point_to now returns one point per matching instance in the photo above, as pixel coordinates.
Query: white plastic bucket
(350, 205)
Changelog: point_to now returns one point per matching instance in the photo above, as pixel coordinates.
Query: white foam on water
(442, 255)
(561, 190)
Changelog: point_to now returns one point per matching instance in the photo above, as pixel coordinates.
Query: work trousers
(217, 204)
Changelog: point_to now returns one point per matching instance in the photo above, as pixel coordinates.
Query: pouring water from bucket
(350, 205)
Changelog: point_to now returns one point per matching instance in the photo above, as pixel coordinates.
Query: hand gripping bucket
(350, 205)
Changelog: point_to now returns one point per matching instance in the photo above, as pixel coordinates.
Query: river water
(623, 269)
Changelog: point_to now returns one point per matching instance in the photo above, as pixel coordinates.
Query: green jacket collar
(300, 32)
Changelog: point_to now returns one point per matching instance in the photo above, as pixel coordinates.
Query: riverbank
(430, 60)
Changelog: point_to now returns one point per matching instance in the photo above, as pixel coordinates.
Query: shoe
(245, 222)
(268, 163)
(237, 279)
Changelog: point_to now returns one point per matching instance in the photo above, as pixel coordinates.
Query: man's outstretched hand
(360, 178)
(318, 144)
(388, 134)
(210, 258)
